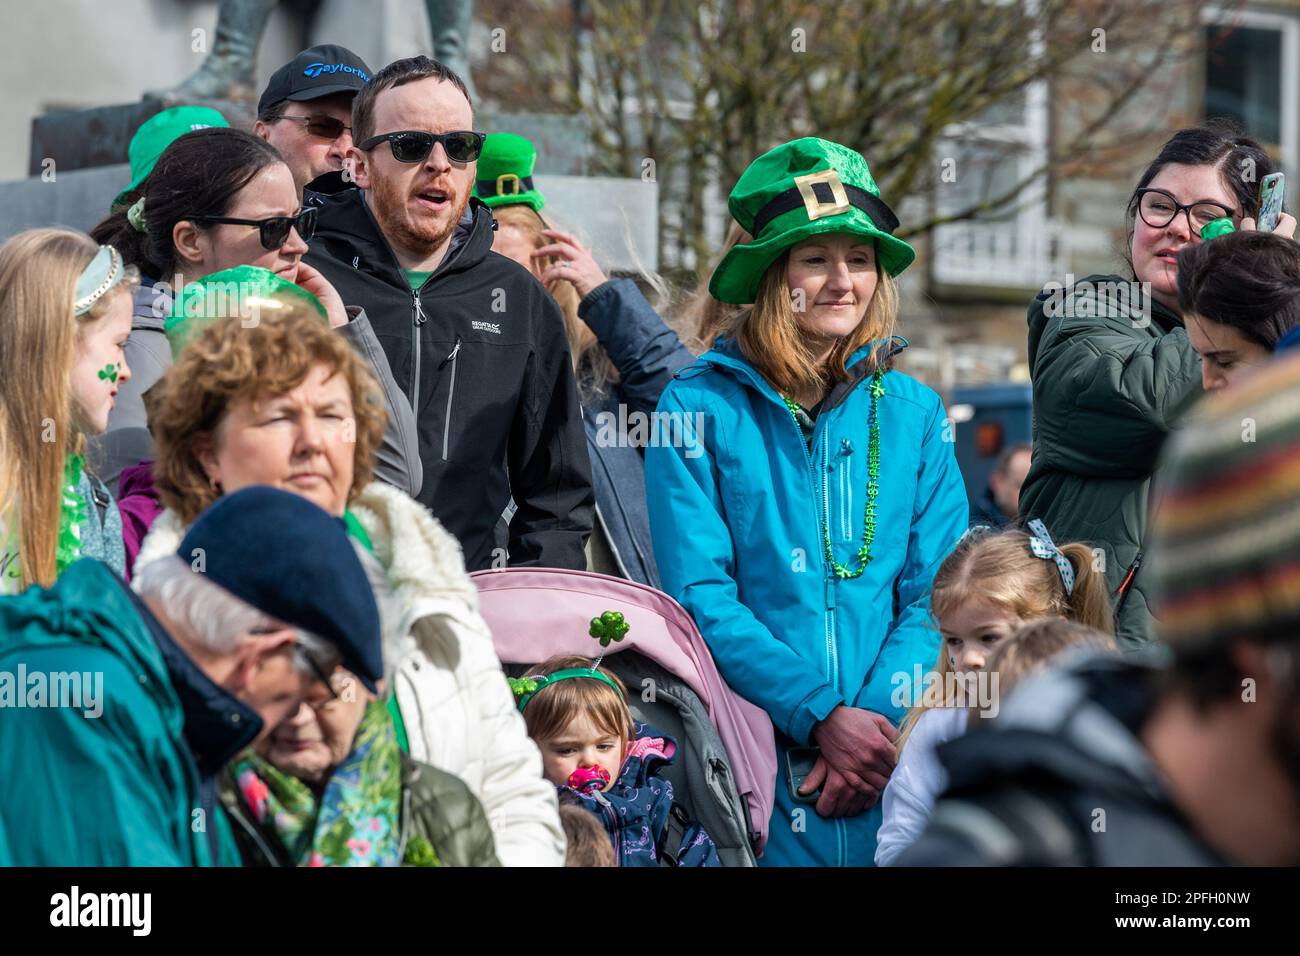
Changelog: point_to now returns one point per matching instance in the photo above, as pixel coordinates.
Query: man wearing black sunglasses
(305, 112)
(474, 340)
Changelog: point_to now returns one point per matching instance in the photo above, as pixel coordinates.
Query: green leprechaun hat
(505, 172)
(244, 292)
(807, 187)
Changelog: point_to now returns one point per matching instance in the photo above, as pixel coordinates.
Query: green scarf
(356, 820)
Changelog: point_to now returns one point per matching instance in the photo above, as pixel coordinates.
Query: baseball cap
(313, 73)
(157, 133)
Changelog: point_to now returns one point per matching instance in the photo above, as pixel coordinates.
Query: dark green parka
(1111, 375)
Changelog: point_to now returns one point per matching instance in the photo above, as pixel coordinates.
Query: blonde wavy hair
(225, 363)
(39, 336)
(999, 569)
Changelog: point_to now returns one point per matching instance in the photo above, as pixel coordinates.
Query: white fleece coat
(459, 712)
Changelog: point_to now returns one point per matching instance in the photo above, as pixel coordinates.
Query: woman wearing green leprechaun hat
(811, 496)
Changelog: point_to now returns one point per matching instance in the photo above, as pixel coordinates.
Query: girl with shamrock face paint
(802, 519)
(67, 308)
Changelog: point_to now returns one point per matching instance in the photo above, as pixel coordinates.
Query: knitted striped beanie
(1225, 551)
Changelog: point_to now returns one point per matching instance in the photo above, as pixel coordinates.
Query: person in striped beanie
(1186, 757)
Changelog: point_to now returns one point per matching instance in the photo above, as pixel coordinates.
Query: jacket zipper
(614, 831)
(846, 489)
(451, 396)
(420, 319)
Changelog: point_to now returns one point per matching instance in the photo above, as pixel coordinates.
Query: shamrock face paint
(99, 366)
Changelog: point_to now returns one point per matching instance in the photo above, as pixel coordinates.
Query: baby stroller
(725, 772)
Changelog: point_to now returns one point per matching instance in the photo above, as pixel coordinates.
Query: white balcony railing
(1009, 255)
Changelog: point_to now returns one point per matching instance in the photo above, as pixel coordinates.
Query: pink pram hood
(532, 613)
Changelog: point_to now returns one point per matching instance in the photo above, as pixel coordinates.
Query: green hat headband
(247, 292)
(805, 188)
(157, 133)
(505, 172)
(609, 626)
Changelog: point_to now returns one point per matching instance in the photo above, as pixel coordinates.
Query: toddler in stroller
(603, 760)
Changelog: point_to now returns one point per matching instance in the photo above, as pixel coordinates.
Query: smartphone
(1271, 193)
(799, 763)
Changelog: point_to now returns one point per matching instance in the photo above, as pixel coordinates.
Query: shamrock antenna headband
(609, 626)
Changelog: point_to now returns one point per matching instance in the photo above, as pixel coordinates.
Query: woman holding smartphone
(1113, 367)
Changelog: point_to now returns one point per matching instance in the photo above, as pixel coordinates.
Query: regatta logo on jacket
(316, 69)
(494, 327)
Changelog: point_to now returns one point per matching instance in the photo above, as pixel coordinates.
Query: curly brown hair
(227, 362)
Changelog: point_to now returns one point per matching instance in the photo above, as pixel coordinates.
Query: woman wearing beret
(814, 493)
(287, 402)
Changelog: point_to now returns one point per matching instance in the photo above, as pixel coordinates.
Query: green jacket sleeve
(87, 787)
(1107, 389)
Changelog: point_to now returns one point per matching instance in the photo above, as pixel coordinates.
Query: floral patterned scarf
(356, 821)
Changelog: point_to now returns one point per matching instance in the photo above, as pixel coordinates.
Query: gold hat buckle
(816, 206)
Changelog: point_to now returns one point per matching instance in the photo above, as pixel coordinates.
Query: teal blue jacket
(119, 788)
(737, 518)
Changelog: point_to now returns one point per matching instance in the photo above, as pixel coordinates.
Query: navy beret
(290, 559)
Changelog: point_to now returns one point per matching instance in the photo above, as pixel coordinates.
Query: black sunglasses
(414, 145)
(326, 127)
(273, 232)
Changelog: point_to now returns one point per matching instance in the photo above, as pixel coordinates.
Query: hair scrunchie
(135, 216)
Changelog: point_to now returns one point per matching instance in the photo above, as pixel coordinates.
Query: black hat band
(487, 188)
(794, 198)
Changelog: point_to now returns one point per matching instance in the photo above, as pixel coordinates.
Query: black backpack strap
(670, 842)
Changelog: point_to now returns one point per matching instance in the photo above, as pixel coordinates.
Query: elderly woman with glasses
(1113, 367)
(284, 401)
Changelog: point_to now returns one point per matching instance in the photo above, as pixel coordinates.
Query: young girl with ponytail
(991, 584)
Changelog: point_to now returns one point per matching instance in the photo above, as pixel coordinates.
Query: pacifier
(589, 778)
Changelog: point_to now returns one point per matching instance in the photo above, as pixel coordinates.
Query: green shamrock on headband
(522, 685)
(610, 626)
(108, 373)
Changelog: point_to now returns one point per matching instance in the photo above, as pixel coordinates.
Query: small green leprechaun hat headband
(609, 626)
(801, 189)
(246, 292)
(505, 172)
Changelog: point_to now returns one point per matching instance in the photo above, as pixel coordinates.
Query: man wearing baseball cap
(305, 112)
(118, 711)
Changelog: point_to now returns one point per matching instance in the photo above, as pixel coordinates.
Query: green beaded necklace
(873, 484)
